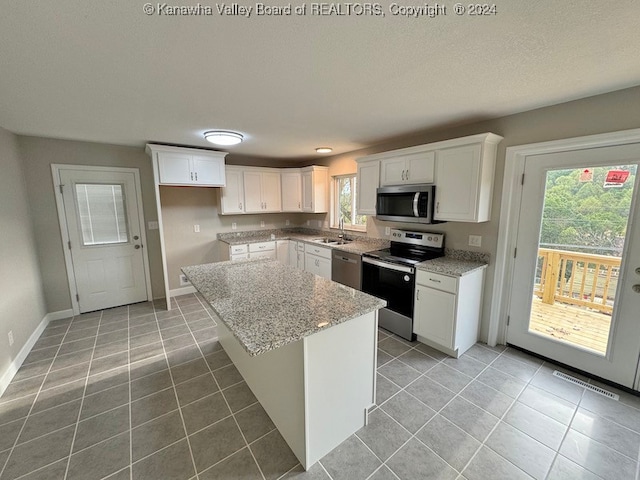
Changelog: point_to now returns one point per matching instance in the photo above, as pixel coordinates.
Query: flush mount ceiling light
(324, 150)
(223, 137)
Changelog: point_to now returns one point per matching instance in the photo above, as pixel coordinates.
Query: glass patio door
(575, 295)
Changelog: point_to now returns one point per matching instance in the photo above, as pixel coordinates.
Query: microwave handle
(416, 197)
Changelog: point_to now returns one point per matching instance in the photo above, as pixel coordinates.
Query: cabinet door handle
(434, 280)
(240, 205)
(196, 176)
(298, 204)
(407, 175)
(418, 295)
(438, 207)
(192, 176)
(402, 175)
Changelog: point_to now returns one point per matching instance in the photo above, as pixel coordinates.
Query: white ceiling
(104, 71)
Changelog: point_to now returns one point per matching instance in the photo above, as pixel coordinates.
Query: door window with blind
(101, 214)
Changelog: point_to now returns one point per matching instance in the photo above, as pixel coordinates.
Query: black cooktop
(405, 257)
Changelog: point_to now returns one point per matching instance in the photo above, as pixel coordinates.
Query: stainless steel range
(390, 274)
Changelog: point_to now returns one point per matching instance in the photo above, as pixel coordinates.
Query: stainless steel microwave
(406, 203)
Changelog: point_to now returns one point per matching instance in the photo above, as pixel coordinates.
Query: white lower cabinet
(296, 254)
(448, 310)
(253, 251)
(262, 250)
(317, 260)
(238, 252)
(282, 251)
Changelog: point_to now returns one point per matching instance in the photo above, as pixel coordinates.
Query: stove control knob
(407, 278)
(429, 238)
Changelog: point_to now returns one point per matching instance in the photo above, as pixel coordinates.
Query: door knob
(137, 247)
(636, 288)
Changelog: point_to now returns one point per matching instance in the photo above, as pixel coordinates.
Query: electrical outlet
(183, 280)
(308, 222)
(10, 338)
(153, 225)
(326, 224)
(475, 240)
(387, 231)
(319, 223)
(287, 222)
(262, 223)
(234, 225)
(196, 228)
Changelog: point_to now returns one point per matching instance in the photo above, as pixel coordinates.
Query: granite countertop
(450, 266)
(267, 305)
(359, 245)
(456, 262)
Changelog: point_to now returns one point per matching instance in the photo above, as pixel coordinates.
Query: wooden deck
(572, 324)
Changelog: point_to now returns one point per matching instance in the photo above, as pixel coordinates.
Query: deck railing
(577, 278)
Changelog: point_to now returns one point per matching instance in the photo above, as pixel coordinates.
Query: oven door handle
(390, 266)
(416, 197)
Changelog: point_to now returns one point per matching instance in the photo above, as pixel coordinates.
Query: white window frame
(334, 203)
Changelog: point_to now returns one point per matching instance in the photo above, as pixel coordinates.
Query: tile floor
(141, 393)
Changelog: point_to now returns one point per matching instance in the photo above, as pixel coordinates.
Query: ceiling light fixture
(223, 137)
(324, 150)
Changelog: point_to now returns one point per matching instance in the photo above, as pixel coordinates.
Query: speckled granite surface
(267, 305)
(359, 245)
(467, 255)
(456, 262)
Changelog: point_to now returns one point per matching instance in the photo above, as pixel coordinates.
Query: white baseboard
(7, 376)
(14, 366)
(182, 291)
(62, 314)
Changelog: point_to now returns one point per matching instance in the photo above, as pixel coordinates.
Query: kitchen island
(306, 346)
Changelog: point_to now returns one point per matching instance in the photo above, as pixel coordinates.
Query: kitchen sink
(324, 240)
(331, 241)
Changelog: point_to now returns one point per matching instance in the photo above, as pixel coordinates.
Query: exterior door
(576, 283)
(103, 224)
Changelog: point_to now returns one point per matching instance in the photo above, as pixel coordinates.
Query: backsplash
(467, 255)
(376, 243)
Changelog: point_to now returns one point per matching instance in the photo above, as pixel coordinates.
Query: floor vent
(586, 385)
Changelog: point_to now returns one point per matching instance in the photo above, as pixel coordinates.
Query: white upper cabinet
(315, 189)
(407, 166)
(232, 195)
(291, 180)
(262, 190)
(188, 166)
(367, 181)
(271, 191)
(208, 170)
(253, 191)
(464, 179)
(462, 170)
(174, 168)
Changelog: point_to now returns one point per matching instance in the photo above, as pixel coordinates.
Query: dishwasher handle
(344, 259)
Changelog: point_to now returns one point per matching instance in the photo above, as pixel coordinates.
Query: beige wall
(603, 113)
(22, 304)
(37, 155)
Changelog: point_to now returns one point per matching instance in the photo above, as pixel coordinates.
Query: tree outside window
(345, 204)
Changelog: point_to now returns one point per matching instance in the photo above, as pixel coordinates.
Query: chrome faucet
(341, 227)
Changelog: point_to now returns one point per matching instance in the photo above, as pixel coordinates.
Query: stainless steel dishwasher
(346, 268)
